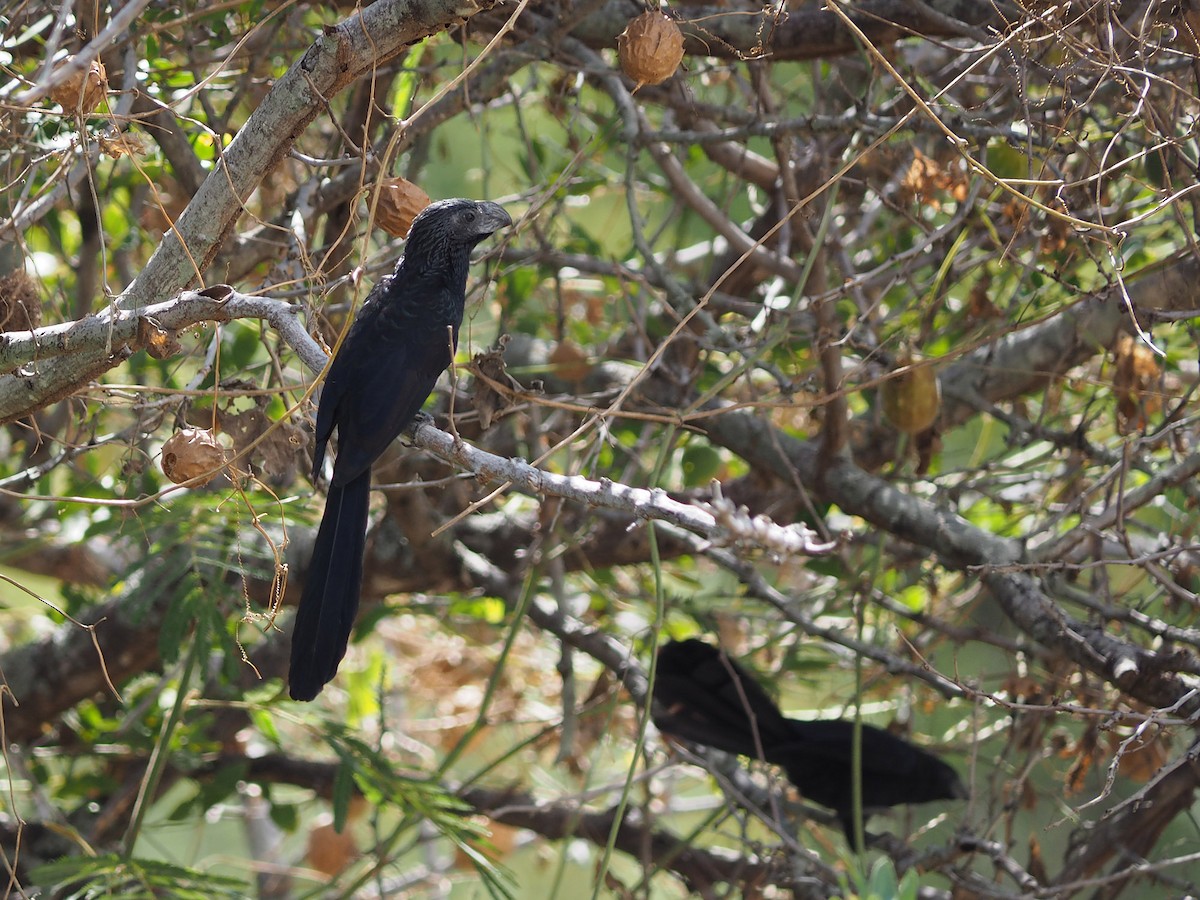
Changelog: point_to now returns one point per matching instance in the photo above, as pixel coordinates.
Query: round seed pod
(399, 202)
(20, 305)
(83, 91)
(912, 399)
(191, 452)
(650, 48)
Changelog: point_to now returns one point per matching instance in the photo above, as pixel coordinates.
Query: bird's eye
(469, 216)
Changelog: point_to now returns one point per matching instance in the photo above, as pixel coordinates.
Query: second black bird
(402, 340)
(703, 696)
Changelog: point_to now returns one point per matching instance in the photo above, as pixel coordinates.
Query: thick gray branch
(341, 55)
(117, 332)
(959, 544)
(716, 522)
(1026, 360)
(808, 31)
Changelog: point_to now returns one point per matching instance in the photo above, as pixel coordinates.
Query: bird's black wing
(702, 695)
(819, 762)
(385, 397)
(380, 378)
(343, 369)
(386, 367)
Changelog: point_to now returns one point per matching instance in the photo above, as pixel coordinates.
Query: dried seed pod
(20, 305)
(192, 452)
(399, 202)
(569, 361)
(912, 399)
(650, 48)
(83, 91)
(117, 143)
(1135, 384)
(158, 342)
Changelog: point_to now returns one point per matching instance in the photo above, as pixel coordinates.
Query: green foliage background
(641, 351)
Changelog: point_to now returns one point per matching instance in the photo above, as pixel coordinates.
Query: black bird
(402, 340)
(703, 696)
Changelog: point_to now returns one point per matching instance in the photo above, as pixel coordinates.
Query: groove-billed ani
(703, 696)
(387, 366)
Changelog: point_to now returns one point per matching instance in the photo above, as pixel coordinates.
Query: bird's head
(453, 225)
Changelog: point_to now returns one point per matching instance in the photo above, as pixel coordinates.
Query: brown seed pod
(399, 202)
(83, 91)
(158, 342)
(912, 399)
(650, 48)
(117, 143)
(569, 361)
(20, 305)
(192, 452)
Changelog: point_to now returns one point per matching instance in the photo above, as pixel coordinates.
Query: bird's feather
(703, 696)
(385, 369)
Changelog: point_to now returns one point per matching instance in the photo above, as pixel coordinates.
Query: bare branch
(118, 332)
(340, 56)
(638, 502)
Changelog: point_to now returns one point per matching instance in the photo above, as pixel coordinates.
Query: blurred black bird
(703, 696)
(402, 340)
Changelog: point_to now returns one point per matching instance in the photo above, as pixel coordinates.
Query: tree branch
(1130, 830)
(120, 332)
(342, 54)
(807, 31)
(960, 545)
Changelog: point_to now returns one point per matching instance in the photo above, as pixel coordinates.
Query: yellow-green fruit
(911, 399)
(700, 464)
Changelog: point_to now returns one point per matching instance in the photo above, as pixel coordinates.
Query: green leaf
(1005, 161)
(223, 784)
(285, 815)
(882, 882)
(1155, 171)
(343, 792)
(95, 877)
(265, 723)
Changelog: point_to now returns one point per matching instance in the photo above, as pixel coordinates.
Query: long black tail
(330, 600)
(703, 696)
